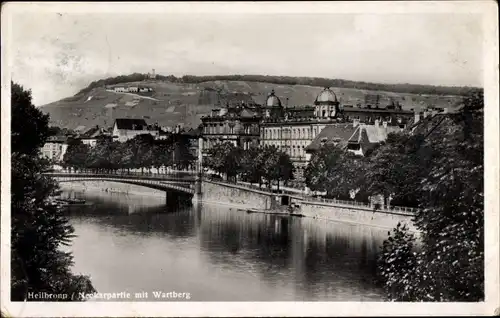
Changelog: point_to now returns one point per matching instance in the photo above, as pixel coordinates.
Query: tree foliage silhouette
(38, 228)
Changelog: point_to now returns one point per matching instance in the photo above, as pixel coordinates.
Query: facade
(236, 122)
(297, 127)
(335, 134)
(384, 116)
(300, 131)
(55, 148)
(193, 136)
(91, 136)
(366, 137)
(127, 128)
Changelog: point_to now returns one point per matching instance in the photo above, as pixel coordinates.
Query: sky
(57, 54)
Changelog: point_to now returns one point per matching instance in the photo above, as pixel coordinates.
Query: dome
(273, 100)
(327, 96)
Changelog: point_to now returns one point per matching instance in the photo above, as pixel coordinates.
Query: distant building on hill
(127, 128)
(152, 75)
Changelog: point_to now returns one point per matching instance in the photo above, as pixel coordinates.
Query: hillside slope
(172, 103)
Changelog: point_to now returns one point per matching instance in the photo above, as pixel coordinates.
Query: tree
(335, 171)
(115, 155)
(276, 165)
(124, 153)
(449, 264)
(183, 157)
(77, 155)
(162, 155)
(225, 158)
(38, 228)
(100, 156)
(397, 168)
(141, 146)
(29, 127)
(251, 165)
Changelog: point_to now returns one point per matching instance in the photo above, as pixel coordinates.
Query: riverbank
(257, 201)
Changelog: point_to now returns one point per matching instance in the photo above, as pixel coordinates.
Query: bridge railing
(154, 176)
(161, 183)
(399, 209)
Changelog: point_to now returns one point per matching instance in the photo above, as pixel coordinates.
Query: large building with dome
(298, 126)
(236, 120)
(301, 130)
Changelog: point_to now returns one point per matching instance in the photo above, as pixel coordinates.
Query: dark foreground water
(138, 245)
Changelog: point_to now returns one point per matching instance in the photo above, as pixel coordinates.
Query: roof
(91, 133)
(331, 134)
(327, 96)
(245, 113)
(300, 112)
(130, 124)
(57, 139)
(273, 100)
(375, 110)
(193, 132)
(427, 125)
(369, 133)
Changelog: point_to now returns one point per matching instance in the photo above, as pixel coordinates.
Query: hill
(174, 102)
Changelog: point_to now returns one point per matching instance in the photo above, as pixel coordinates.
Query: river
(137, 244)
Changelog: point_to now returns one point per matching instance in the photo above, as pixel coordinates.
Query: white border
(490, 14)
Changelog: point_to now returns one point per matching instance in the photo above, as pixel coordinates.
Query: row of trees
(264, 164)
(38, 228)
(291, 80)
(393, 170)
(440, 171)
(141, 152)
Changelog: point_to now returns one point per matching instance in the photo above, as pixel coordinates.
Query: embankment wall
(237, 196)
(355, 215)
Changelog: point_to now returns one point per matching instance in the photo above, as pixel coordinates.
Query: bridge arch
(177, 193)
(184, 187)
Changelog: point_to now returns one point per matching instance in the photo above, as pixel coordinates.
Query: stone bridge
(174, 185)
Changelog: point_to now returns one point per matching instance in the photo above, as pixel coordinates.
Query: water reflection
(219, 253)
